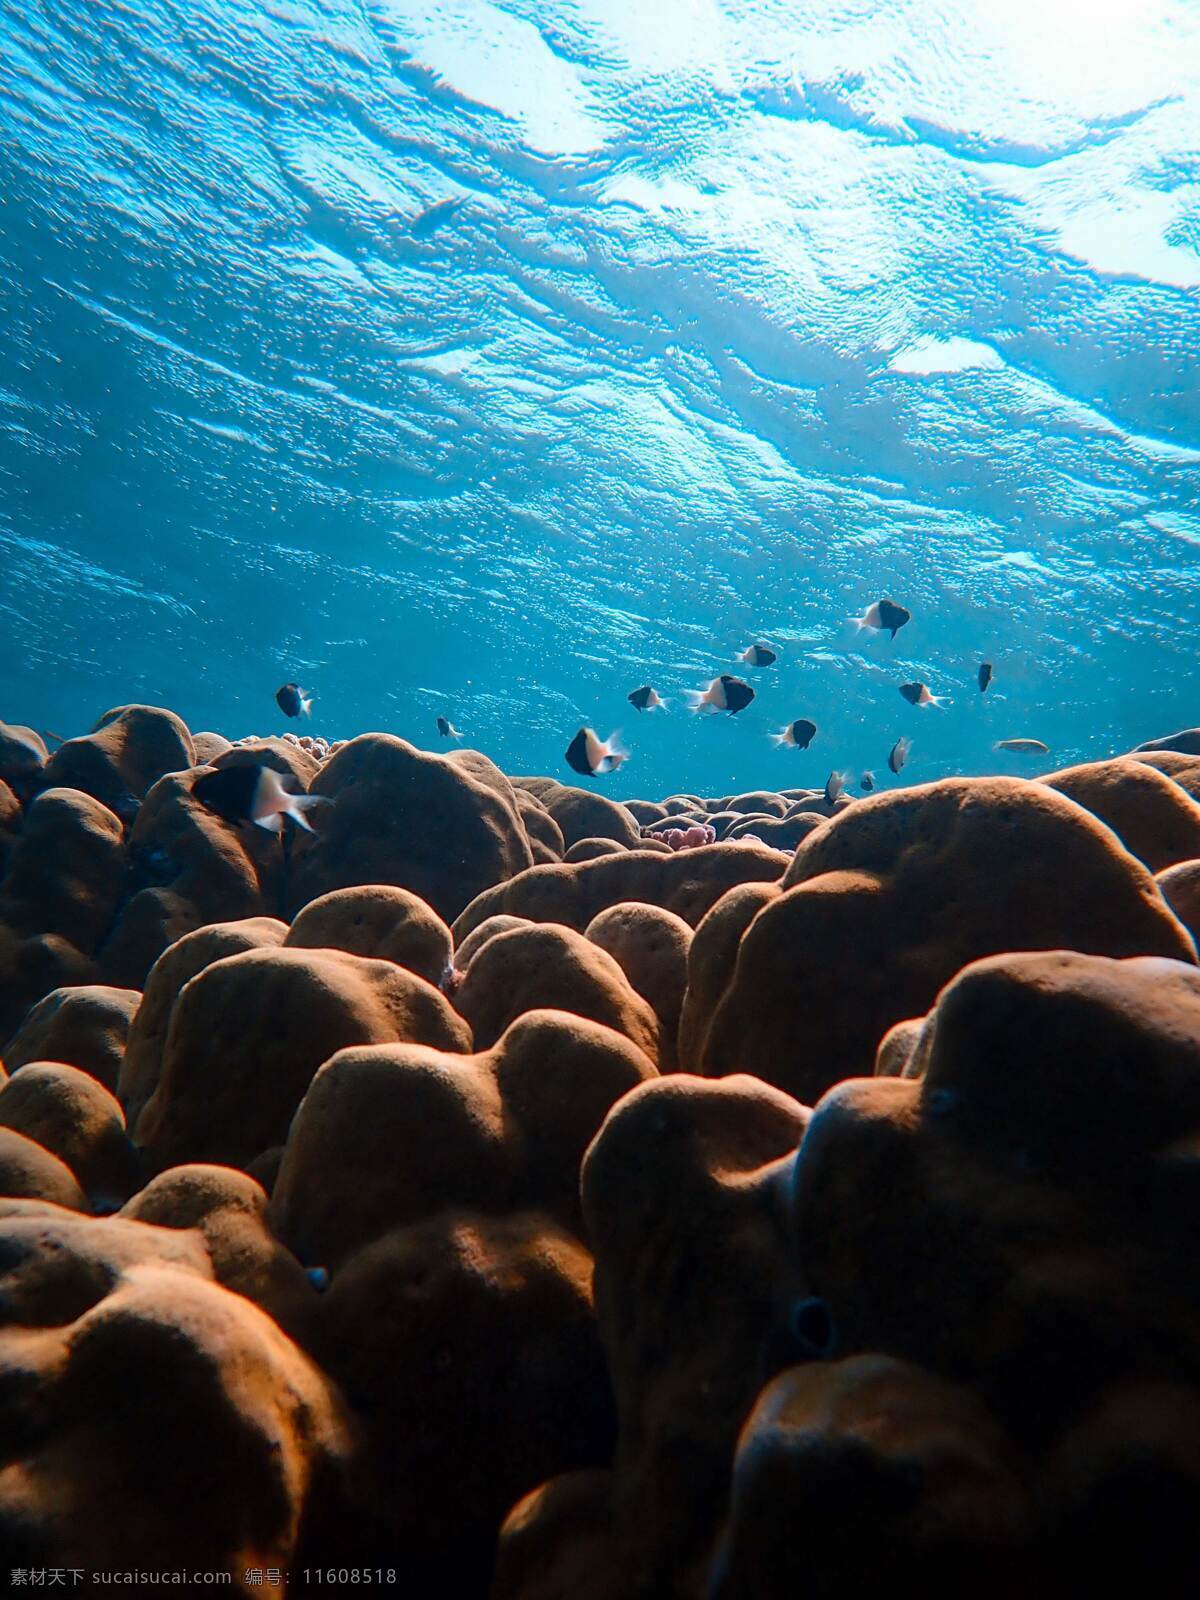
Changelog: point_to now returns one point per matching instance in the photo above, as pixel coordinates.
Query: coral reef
(544, 1197)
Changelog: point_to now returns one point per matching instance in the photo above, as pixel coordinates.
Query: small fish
(591, 755)
(447, 729)
(985, 676)
(254, 794)
(883, 615)
(800, 733)
(917, 694)
(645, 699)
(1025, 747)
(725, 693)
(867, 782)
(898, 754)
(835, 787)
(758, 655)
(294, 701)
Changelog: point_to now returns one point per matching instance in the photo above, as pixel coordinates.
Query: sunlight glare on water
(493, 359)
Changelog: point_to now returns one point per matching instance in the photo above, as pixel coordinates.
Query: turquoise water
(492, 360)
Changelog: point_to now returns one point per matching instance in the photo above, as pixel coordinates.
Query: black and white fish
(984, 676)
(867, 782)
(447, 729)
(725, 693)
(757, 655)
(919, 694)
(646, 699)
(898, 754)
(835, 787)
(885, 616)
(593, 756)
(294, 701)
(254, 794)
(800, 734)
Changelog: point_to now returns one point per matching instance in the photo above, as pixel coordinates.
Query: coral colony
(476, 1186)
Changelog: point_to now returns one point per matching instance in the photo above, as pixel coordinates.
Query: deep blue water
(452, 356)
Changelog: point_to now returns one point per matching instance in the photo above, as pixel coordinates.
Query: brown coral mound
(86, 1026)
(849, 1474)
(883, 905)
(188, 868)
(178, 964)
(377, 920)
(164, 1423)
(64, 878)
(389, 1134)
(75, 1118)
(394, 809)
(686, 882)
(501, 1383)
(1150, 814)
(125, 754)
(530, 969)
(249, 1031)
(680, 1197)
(650, 946)
(993, 1195)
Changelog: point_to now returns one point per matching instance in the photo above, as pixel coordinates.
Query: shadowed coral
(228, 1210)
(852, 1476)
(23, 754)
(63, 881)
(96, 1476)
(28, 1171)
(680, 1197)
(1051, 1089)
(502, 1384)
(555, 1543)
(85, 1026)
(75, 1118)
(593, 849)
(188, 868)
(479, 936)
(545, 835)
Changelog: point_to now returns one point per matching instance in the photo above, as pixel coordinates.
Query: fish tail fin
(695, 698)
(298, 805)
(778, 738)
(857, 624)
(306, 705)
(663, 705)
(941, 701)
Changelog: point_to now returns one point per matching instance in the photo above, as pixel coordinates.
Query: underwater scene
(600, 797)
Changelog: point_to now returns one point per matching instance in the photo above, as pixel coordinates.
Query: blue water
(451, 356)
